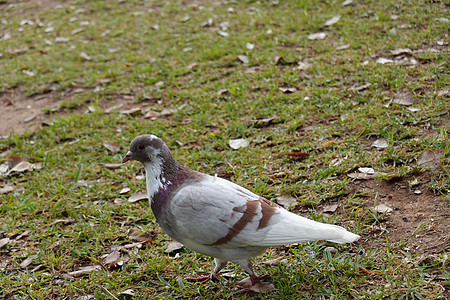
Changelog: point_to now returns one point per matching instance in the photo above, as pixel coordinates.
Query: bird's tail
(296, 229)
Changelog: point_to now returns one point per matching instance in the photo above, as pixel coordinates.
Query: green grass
(128, 57)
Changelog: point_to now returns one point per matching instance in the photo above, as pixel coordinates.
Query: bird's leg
(246, 264)
(220, 264)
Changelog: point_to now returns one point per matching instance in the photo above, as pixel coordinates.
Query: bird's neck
(159, 176)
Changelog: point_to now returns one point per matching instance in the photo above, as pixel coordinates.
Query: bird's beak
(127, 157)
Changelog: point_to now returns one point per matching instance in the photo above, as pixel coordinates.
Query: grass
(324, 117)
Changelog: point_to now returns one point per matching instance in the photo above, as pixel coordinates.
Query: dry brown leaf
(260, 287)
(405, 98)
(113, 147)
(400, 51)
(64, 221)
(22, 235)
(287, 90)
(142, 236)
(381, 208)
(431, 158)
(360, 175)
(128, 292)
(296, 154)
(6, 189)
(264, 122)
(243, 59)
(21, 167)
(286, 201)
(138, 197)
(85, 56)
(276, 261)
(317, 36)
(27, 261)
(115, 259)
(380, 143)
(131, 111)
(112, 166)
(173, 247)
(84, 271)
(330, 208)
(238, 143)
(151, 114)
(333, 20)
(4, 241)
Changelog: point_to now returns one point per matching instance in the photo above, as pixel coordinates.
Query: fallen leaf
(85, 56)
(114, 148)
(21, 167)
(260, 287)
(128, 292)
(360, 88)
(168, 111)
(287, 90)
(243, 59)
(404, 98)
(67, 221)
(124, 190)
(222, 92)
(151, 114)
(185, 19)
(138, 197)
(333, 20)
(131, 111)
(381, 208)
(330, 208)
(84, 271)
(360, 175)
(115, 259)
(343, 47)
(297, 154)
(4, 241)
(263, 122)
(431, 158)
(413, 109)
(173, 247)
(317, 36)
(112, 166)
(6, 189)
(84, 183)
(29, 119)
(249, 46)
(27, 261)
(277, 175)
(276, 261)
(22, 235)
(400, 51)
(366, 170)
(238, 143)
(380, 143)
(383, 60)
(347, 2)
(286, 201)
(222, 33)
(141, 236)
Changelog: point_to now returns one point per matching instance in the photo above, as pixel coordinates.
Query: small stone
(417, 192)
(405, 219)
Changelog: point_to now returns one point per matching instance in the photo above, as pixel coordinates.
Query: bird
(216, 217)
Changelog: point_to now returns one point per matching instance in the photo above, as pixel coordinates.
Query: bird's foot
(203, 279)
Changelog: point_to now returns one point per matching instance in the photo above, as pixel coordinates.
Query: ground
(80, 80)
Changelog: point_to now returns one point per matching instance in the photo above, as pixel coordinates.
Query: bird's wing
(217, 212)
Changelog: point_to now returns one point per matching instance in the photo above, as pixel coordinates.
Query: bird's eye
(141, 147)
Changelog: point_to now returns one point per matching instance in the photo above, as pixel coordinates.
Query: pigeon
(216, 217)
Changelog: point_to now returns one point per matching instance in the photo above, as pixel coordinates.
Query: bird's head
(145, 149)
